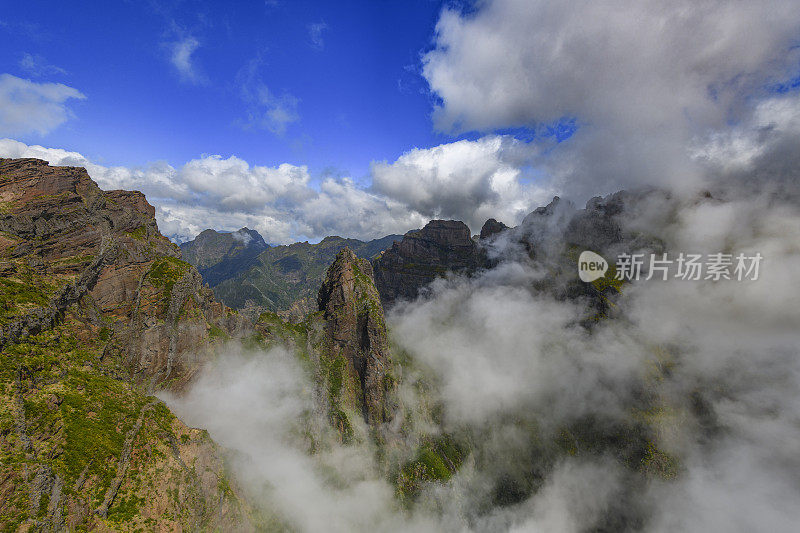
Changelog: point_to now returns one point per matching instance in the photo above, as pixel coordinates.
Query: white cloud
(37, 66)
(466, 180)
(643, 78)
(315, 31)
(273, 112)
(265, 109)
(349, 209)
(740, 147)
(181, 53)
(261, 407)
(228, 193)
(29, 107)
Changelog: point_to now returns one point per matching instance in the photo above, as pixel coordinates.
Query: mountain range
(105, 327)
(247, 274)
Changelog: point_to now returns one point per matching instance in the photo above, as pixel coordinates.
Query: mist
(706, 370)
(259, 406)
(710, 368)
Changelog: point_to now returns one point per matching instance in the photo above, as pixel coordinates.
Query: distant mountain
(285, 278)
(220, 256)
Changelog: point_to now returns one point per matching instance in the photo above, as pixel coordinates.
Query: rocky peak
(66, 241)
(212, 247)
(423, 255)
(355, 331)
(219, 256)
(491, 227)
(446, 233)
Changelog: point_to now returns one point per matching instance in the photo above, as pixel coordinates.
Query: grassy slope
(66, 416)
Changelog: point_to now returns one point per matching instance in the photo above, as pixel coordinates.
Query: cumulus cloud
(470, 181)
(29, 107)
(465, 180)
(641, 78)
(711, 367)
(181, 56)
(279, 202)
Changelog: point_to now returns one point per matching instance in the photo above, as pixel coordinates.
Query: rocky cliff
(355, 331)
(97, 311)
(347, 345)
(423, 255)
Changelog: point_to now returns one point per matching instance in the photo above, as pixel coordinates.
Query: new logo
(591, 266)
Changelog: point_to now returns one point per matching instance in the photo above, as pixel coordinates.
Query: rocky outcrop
(440, 247)
(491, 227)
(355, 332)
(67, 241)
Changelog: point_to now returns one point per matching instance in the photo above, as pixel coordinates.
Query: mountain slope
(220, 256)
(97, 311)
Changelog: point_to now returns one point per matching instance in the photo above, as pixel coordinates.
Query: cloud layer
(466, 180)
(642, 78)
(228, 193)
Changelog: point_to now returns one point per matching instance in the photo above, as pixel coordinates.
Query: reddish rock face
(441, 246)
(355, 330)
(78, 243)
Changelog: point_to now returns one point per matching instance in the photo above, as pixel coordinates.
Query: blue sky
(349, 71)
(303, 119)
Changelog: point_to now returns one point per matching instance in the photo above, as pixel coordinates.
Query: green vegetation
(282, 275)
(97, 412)
(609, 281)
(16, 297)
(658, 463)
(436, 461)
(140, 233)
(164, 273)
(215, 332)
(76, 418)
(24, 290)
